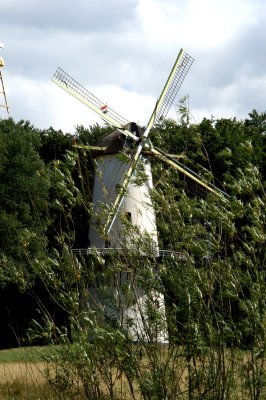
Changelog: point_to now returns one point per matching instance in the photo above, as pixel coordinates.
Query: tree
(54, 144)
(256, 128)
(23, 201)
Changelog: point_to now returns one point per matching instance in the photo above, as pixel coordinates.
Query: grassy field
(22, 377)
(22, 374)
(24, 354)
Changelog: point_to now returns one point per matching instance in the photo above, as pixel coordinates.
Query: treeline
(45, 207)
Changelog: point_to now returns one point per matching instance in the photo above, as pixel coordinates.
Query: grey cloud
(39, 34)
(83, 15)
(101, 42)
(235, 69)
(97, 42)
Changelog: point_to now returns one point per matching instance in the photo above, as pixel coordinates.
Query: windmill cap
(115, 141)
(111, 144)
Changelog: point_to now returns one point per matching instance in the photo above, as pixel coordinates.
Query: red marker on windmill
(104, 109)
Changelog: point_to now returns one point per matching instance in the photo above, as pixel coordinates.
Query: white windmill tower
(114, 186)
(2, 87)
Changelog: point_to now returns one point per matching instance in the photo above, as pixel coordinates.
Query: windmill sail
(188, 172)
(177, 75)
(70, 85)
(107, 183)
(123, 188)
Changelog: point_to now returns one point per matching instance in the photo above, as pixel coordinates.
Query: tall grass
(215, 306)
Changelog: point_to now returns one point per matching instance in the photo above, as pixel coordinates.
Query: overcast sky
(123, 50)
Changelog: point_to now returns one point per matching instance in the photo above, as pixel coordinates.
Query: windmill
(114, 185)
(2, 88)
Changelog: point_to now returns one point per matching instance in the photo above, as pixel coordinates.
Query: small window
(128, 216)
(157, 303)
(118, 188)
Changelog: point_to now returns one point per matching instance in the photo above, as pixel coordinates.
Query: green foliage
(92, 134)
(54, 144)
(23, 202)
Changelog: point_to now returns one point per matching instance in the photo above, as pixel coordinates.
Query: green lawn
(24, 354)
